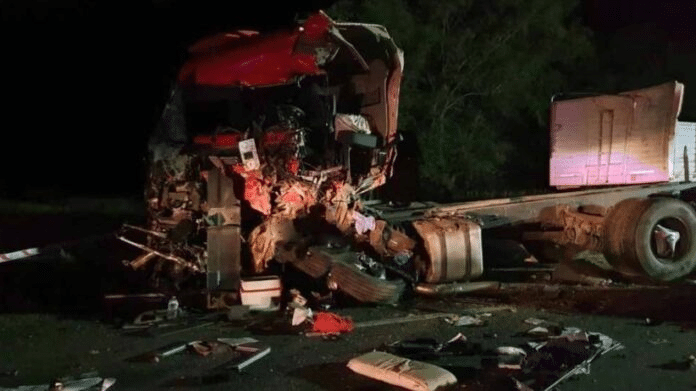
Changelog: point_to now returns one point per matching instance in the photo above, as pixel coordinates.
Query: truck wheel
(346, 277)
(632, 231)
(619, 229)
(365, 287)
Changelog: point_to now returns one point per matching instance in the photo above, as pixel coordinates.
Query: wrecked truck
(269, 140)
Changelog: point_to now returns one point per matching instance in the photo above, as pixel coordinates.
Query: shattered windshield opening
(306, 108)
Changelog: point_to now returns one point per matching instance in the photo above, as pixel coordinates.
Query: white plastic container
(172, 308)
(261, 293)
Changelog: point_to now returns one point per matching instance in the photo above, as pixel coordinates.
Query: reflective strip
(30, 252)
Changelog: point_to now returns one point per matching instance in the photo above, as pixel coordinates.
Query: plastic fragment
(327, 322)
(538, 332)
(465, 320)
(510, 350)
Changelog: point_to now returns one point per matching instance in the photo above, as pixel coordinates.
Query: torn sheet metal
(265, 237)
(388, 241)
(340, 202)
(178, 260)
(402, 372)
(257, 190)
(86, 384)
(351, 123)
(574, 349)
(294, 198)
(249, 354)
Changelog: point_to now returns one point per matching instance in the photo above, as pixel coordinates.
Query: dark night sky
(674, 17)
(85, 81)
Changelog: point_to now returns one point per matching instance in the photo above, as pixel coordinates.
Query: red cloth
(326, 322)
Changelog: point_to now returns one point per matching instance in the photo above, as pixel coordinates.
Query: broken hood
(249, 58)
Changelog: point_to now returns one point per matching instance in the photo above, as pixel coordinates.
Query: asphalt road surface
(54, 324)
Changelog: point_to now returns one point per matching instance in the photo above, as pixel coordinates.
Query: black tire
(350, 280)
(619, 230)
(364, 287)
(629, 233)
(316, 265)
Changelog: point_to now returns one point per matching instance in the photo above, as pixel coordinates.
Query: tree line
(478, 79)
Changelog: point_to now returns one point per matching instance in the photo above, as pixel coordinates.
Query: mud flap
(224, 255)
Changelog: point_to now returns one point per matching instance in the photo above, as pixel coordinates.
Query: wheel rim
(669, 240)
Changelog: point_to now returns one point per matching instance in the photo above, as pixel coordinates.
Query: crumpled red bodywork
(246, 58)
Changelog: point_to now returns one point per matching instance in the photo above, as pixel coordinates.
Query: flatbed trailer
(646, 230)
(624, 168)
(499, 212)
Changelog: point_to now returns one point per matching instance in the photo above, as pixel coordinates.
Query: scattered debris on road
(161, 353)
(465, 320)
(658, 341)
(540, 364)
(535, 321)
(404, 319)
(510, 350)
(428, 348)
(572, 352)
(245, 350)
(250, 355)
(538, 332)
(687, 364)
(327, 322)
